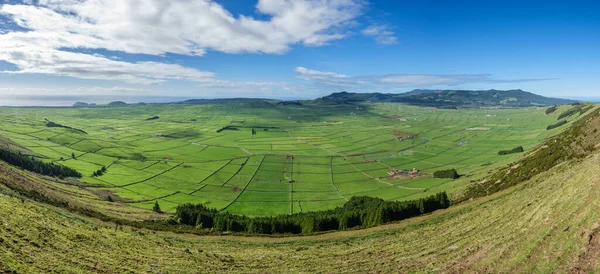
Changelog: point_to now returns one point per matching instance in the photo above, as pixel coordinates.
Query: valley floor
(548, 224)
(272, 160)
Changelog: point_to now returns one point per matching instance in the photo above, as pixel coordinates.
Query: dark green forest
(37, 166)
(359, 211)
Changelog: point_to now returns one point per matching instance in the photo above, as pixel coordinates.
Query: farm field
(265, 159)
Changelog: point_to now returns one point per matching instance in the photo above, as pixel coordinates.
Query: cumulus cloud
(381, 33)
(48, 37)
(181, 26)
(89, 66)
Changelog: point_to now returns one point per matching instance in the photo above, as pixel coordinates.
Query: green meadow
(262, 159)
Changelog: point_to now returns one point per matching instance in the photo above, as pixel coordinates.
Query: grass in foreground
(547, 224)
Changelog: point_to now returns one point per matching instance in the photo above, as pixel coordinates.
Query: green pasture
(302, 158)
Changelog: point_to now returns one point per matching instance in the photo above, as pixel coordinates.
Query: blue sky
(296, 48)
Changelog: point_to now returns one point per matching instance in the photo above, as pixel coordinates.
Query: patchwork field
(269, 160)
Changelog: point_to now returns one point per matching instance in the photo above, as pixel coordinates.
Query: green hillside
(546, 224)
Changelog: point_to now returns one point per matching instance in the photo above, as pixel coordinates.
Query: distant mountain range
(420, 97)
(448, 98)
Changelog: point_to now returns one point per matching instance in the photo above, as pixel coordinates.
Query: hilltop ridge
(448, 98)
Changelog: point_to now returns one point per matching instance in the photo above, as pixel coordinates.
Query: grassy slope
(549, 223)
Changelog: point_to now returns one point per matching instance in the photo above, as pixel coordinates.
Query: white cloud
(55, 29)
(67, 91)
(180, 26)
(309, 74)
(106, 90)
(328, 79)
(429, 80)
(381, 33)
(63, 63)
(333, 80)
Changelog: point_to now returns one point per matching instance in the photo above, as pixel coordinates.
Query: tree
(449, 173)
(156, 207)
(73, 155)
(518, 149)
(358, 211)
(37, 166)
(253, 132)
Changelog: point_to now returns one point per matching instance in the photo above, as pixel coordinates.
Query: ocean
(64, 101)
(587, 99)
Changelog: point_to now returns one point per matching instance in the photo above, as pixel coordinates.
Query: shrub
(99, 172)
(448, 173)
(138, 157)
(227, 128)
(570, 112)
(551, 110)
(518, 149)
(553, 126)
(156, 207)
(53, 124)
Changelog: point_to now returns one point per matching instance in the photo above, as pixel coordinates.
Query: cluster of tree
(254, 130)
(570, 112)
(53, 124)
(448, 173)
(518, 149)
(266, 127)
(37, 166)
(286, 103)
(585, 109)
(553, 126)
(99, 172)
(152, 118)
(136, 156)
(156, 207)
(227, 128)
(83, 105)
(551, 109)
(357, 212)
(116, 104)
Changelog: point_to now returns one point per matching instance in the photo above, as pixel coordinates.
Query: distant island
(83, 105)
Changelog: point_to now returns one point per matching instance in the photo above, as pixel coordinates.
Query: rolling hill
(449, 98)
